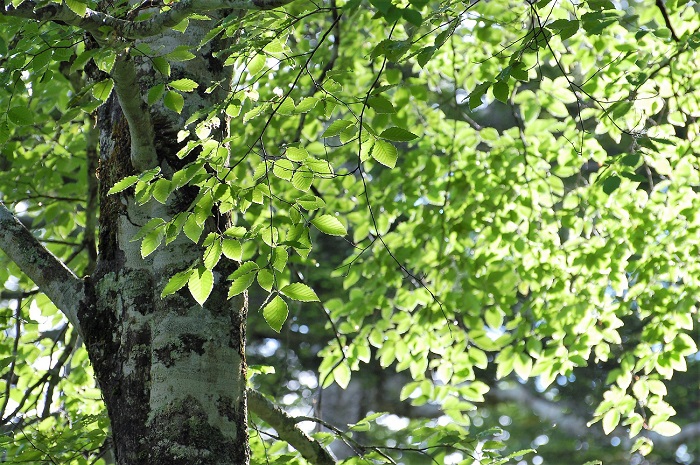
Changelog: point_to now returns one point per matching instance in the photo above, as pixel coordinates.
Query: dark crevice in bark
(115, 164)
(185, 437)
(169, 354)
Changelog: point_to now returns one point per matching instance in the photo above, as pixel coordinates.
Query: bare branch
(54, 278)
(664, 13)
(287, 429)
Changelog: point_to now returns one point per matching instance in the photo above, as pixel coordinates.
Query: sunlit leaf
(299, 291)
(200, 284)
(275, 313)
(329, 224)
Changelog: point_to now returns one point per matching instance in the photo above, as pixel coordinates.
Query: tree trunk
(172, 372)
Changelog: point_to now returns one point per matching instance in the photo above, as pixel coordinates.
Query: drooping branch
(95, 21)
(54, 278)
(286, 427)
(143, 150)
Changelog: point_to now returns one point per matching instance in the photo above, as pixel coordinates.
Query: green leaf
(102, 89)
(162, 65)
(342, 375)
(200, 284)
(501, 91)
(155, 93)
(181, 53)
(329, 224)
(306, 104)
(4, 132)
(412, 16)
(232, 249)
(174, 101)
(77, 7)
(176, 282)
(385, 153)
(151, 225)
(151, 242)
(425, 55)
(310, 202)
(236, 231)
(256, 64)
(182, 25)
(477, 93)
(380, 104)
(667, 428)
(266, 279)
(212, 254)
(244, 268)
(286, 107)
(283, 169)
(21, 116)
(192, 229)
(631, 160)
(397, 134)
(611, 184)
(302, 179)
(300, 292)
(296, 154)
(275, 313)
(124, 184)
(336, 127)
(241, 283)
(161, 190)
(610, 420)
(280, 257)
(183, 85)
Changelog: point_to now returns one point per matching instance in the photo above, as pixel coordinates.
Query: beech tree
(508, 186)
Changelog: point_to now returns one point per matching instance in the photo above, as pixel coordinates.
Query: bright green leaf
(174, 101)
(200, 284)
(77, 7)
(336, 127)
(124, 184)
(102, 89)
(329, 224)
(183, 85)
(397, 134)
(385, 153)
(176, 282)
(232, 249)
(300, 292)
(275, 313)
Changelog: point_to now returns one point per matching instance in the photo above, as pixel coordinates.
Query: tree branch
(184, 8)
(143, 150)
(54, 278)
(287, 429)
(92, 21)
(664, 13)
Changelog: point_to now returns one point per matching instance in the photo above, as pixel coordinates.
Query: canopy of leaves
(506, 191)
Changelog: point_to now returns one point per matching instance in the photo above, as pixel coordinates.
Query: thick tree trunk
(172, 372)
